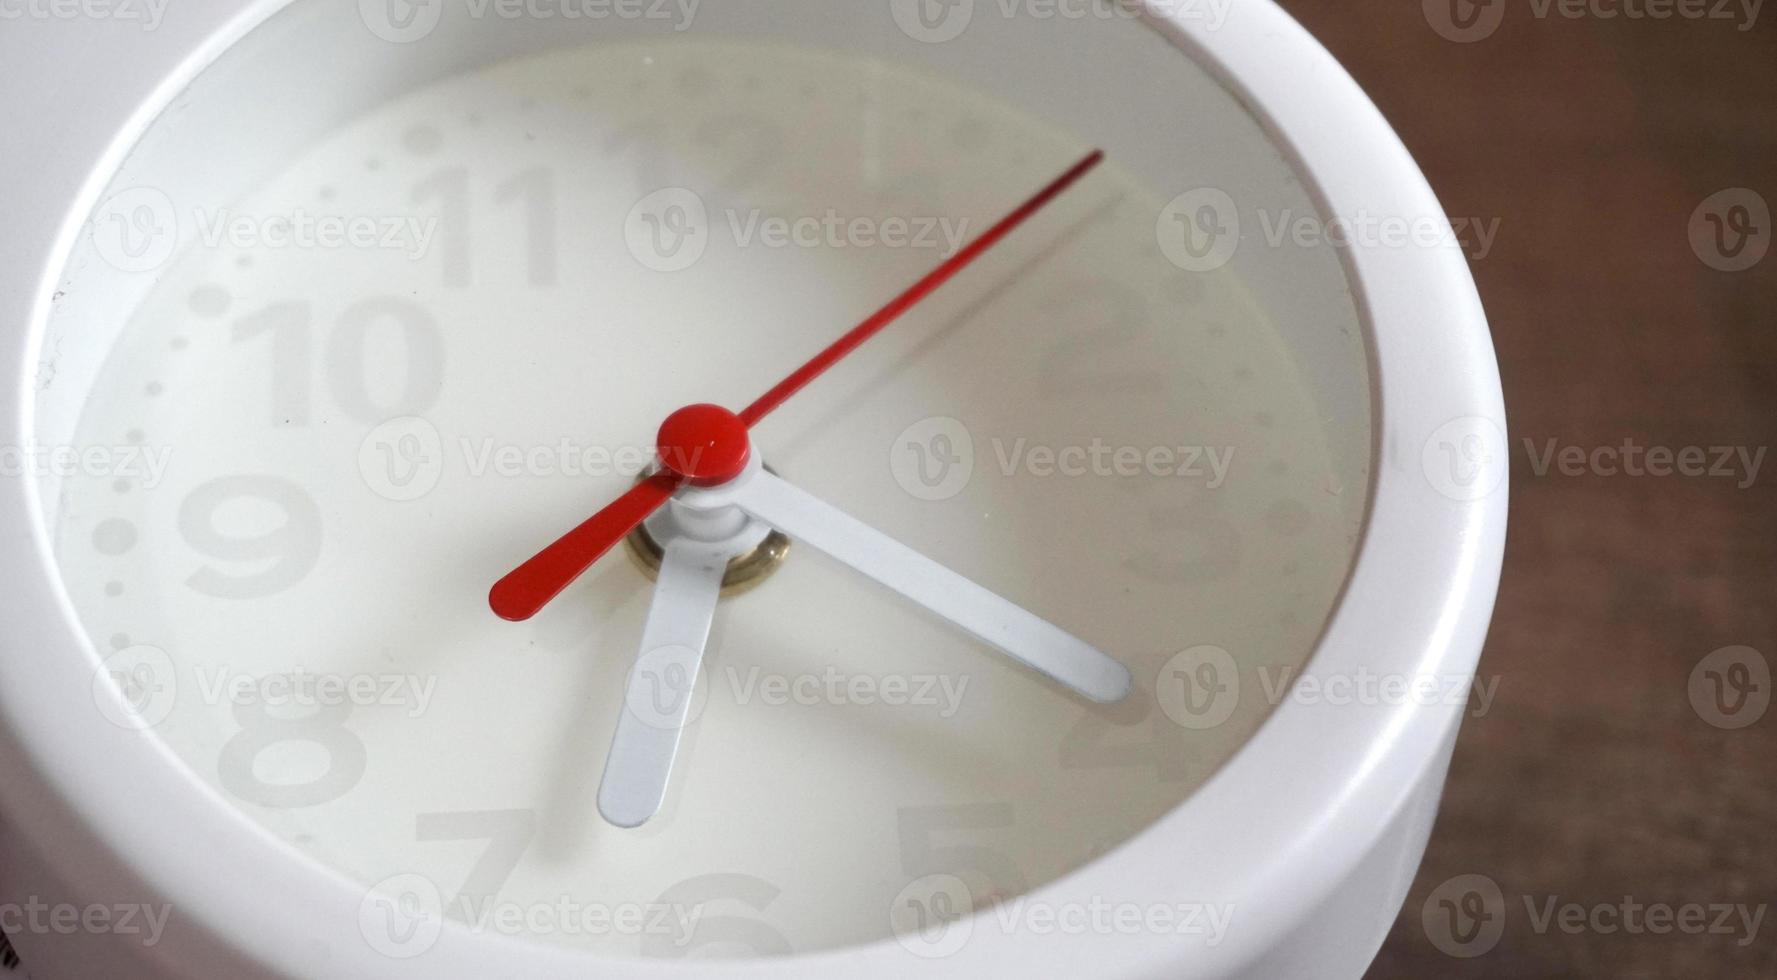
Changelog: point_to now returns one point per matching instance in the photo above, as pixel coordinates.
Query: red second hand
(528, 588)
(769, 402)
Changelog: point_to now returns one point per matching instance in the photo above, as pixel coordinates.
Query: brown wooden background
(1593, 778)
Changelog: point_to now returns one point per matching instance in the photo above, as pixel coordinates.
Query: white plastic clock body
(318, 318)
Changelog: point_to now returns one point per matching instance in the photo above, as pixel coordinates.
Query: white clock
(1100, 600)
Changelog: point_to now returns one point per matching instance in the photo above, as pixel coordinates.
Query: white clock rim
(1298, 806)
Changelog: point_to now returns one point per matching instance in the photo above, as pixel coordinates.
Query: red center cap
(705, 444)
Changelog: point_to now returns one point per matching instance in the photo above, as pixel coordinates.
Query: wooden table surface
(1594, 778)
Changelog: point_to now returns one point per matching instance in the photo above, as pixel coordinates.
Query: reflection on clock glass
(448, 331)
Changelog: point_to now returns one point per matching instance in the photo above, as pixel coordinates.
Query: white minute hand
(1022, 635)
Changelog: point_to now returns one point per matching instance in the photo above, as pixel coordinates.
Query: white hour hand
(990, 618)
(657, 701)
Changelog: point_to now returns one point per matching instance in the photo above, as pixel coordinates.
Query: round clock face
(446, 331)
